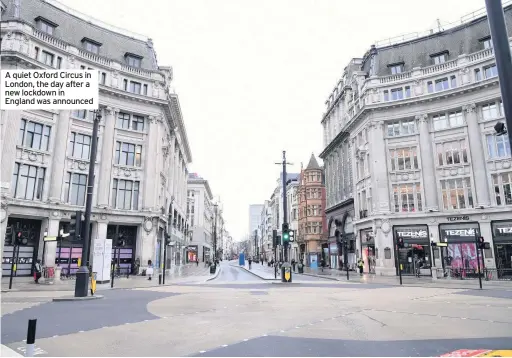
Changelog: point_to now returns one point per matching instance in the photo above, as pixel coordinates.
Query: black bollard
(31, 338)
(160, 279)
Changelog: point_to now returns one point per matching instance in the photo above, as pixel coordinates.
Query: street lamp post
(82, 275)
(501, 47)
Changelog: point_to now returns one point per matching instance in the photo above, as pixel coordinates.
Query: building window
(134, 87)
(36, 53)
(457, 193)
(452, 153)
(503, 188)
(407, 92)
(439, 59)
(79, 146)
(430, 87)
(127, 121)
(145, 90)
(58, 65)
(91, 46)
(76, 186)
(34, 135)
(490, 111)
(386, 95)
(133, 61)
(442, 84)
(47, 58)
(128, 154)
(125, 194)
(490, 71)
(396, 69)
(478, 74)
(407, 197)
(46, 27)
(399, 128)
(487, 43)
(403, 159)
(397, 93)
(498, 146)
(28, 181)
(83, 114)
(103, 78)
(453, 82)
(443, 121)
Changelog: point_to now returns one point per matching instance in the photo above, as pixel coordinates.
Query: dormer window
(132, 59)
(439, 58)
(396, 68)
(46, 25)
(91, 45)
(486, 42)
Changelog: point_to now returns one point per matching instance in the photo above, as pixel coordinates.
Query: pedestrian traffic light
(400, 243)
(76, 224)
(274, 239)
(167, 238)
(120, 241)
(481, 243)
(291, 234)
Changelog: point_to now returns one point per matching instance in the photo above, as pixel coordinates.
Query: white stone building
(201, 219)
(411, 152)
(143, 150)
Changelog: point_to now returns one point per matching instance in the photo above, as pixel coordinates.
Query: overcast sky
(253, 76)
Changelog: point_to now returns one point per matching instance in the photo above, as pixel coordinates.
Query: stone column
(59, 155)
(170, 176)
(106, 157)
(103, 267)
(150, 174)
(477, 157)
(427, 165)
(10, 127)
(379, 172)
(50, 251)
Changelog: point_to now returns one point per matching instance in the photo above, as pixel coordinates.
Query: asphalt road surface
(239, 314)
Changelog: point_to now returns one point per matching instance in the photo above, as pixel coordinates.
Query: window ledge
(32, 150)
(131, 130)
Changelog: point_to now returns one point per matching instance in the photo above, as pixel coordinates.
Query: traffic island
(86, 298)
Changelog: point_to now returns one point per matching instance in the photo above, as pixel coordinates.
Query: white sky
(253, 76)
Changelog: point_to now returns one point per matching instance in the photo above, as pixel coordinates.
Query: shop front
(367, 244)
(459, 257)
(206, 254)
(191, 253)
(333, 255)
(415, 257)
(25, 255)
(124, 255)
(502, 239)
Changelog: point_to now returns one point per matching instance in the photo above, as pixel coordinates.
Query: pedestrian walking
(360, 264)
(37, 271)
(197, 262)
(293, 264)
(322, 263)
(149, 270)
(250, 262)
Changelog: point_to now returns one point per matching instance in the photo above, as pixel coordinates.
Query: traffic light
(167, 238)
(120, 241)
(400, 243)
(274, 239)
(291, 234)
(76, 224)
(286, 233)
(481, 243)
(19, 239)
(8, 236)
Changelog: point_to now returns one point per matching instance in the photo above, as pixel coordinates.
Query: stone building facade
(411, 152)
(143, 150)
(312, 226)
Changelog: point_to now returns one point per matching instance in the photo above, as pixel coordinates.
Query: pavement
(240, 314)
(177, 274)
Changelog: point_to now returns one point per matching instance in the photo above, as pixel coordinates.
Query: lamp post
(82, 275)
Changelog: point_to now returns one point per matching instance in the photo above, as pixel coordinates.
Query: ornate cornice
(421, 117)
(469, 108)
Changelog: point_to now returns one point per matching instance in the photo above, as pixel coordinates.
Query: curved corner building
(411, 153)
(143, 152)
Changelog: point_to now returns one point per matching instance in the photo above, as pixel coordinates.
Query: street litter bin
(213, 268)
(286, 272)
(301, 268)
(93, 283)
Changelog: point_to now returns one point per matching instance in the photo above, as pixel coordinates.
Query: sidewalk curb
(215, 275)
(319, 276)
(8, 352)
(255, 274)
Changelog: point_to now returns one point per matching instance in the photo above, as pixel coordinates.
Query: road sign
(50, 238)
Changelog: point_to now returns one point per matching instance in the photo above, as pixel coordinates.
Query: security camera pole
(501, 46)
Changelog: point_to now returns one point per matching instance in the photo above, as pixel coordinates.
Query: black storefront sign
(458, 218)
(416, 254)
(502, 230)
(411, 233)
(453, 233)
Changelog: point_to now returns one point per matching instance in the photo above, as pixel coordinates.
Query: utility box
(241, 259)
(286, 273)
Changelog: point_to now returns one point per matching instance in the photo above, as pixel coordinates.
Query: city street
(240, 314)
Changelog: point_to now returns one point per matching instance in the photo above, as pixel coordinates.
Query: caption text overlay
(49, 89)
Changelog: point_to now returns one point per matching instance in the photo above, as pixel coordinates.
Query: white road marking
(224, 345)
(146, 320)
(245, 339)
(282, 331)
(463, 318)
(55, 336)
(81, 331)
(201, 352)
(297, 326)
(491, 321)
(265, 335)
(393, 311)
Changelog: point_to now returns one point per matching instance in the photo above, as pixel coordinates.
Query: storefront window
(502, 238)
(459, 258)
(415, 257)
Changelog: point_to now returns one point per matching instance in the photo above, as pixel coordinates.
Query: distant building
(311, 222)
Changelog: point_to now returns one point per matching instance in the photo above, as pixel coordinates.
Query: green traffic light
(286, 236)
